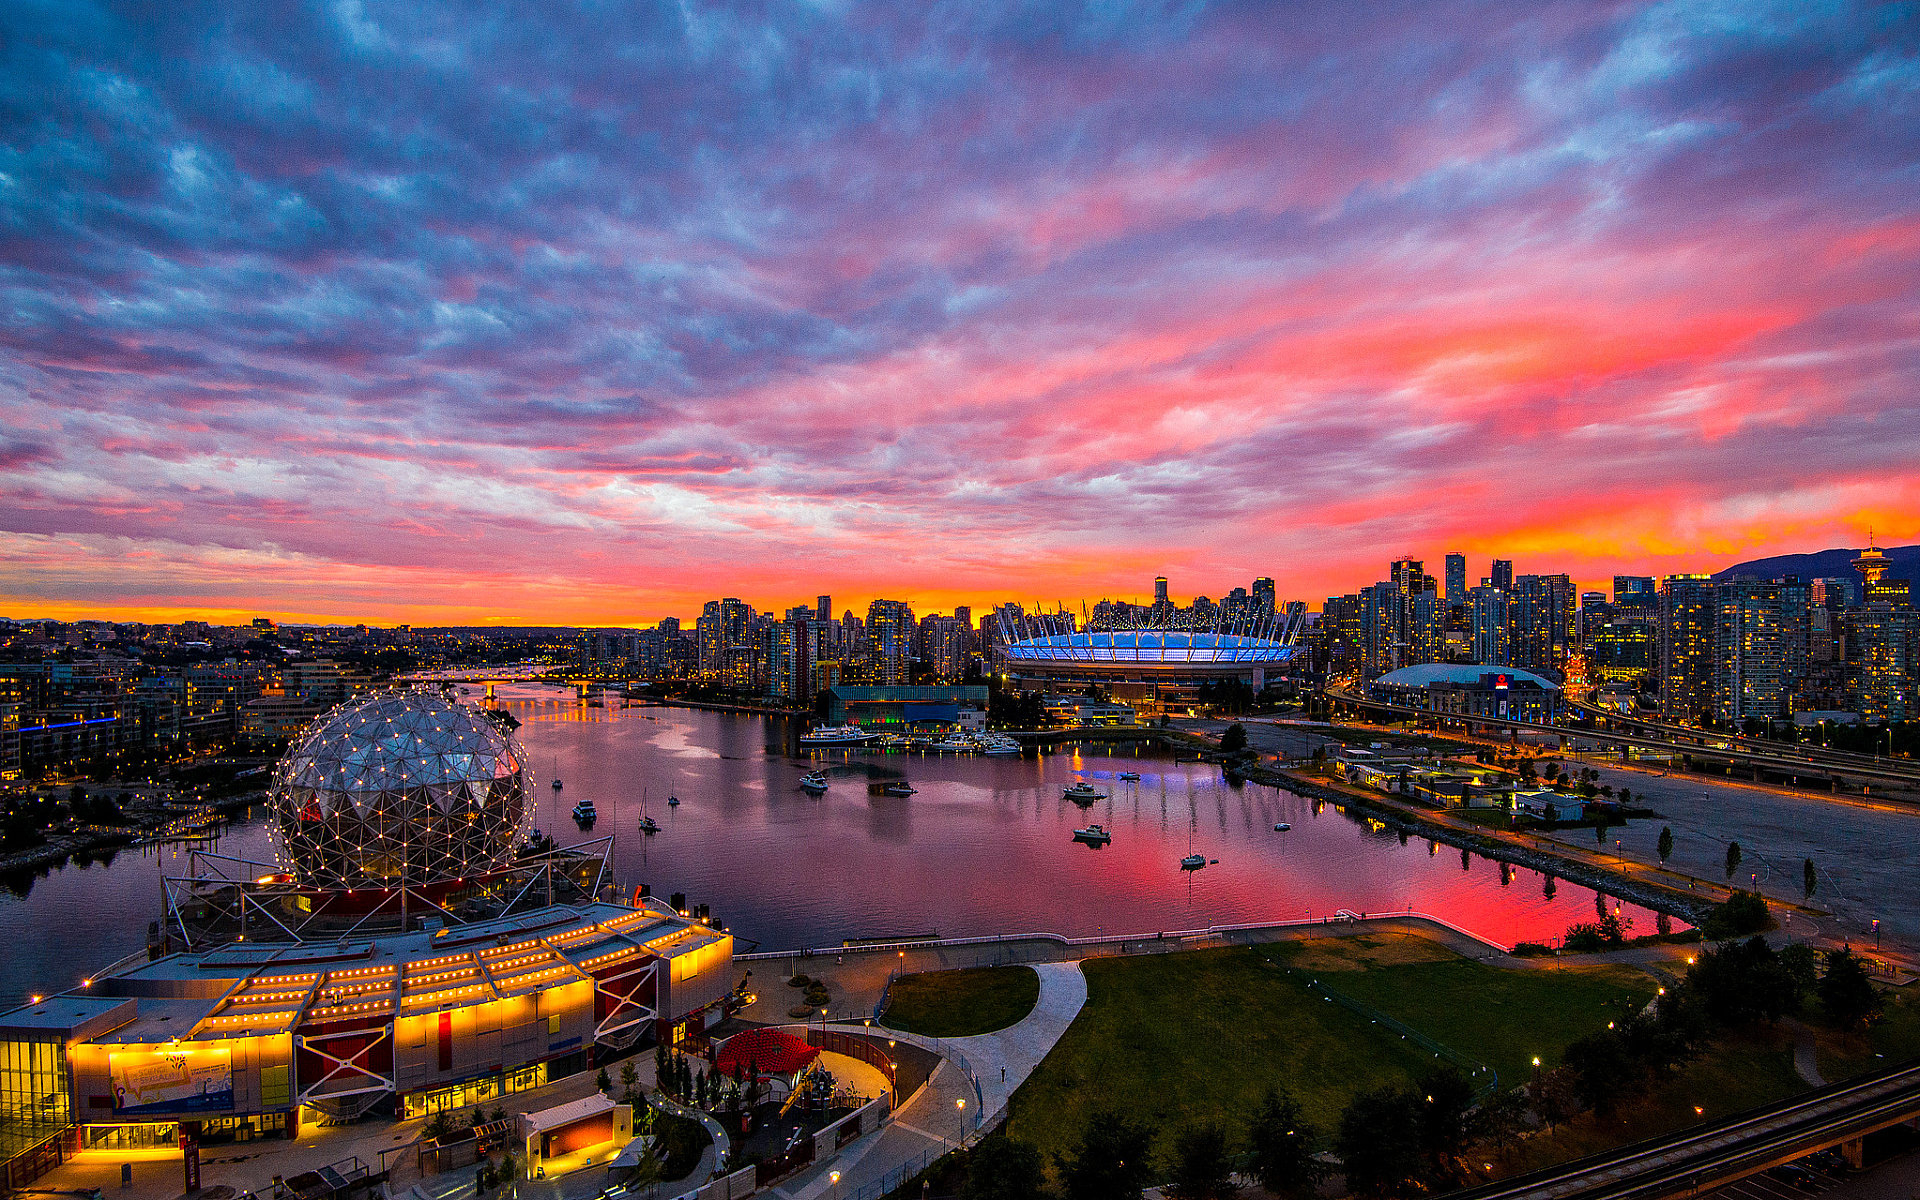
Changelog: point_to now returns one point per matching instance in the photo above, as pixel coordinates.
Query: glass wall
(473, 1091)
(33, 1092)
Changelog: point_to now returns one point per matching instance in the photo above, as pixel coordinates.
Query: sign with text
(171, 1080)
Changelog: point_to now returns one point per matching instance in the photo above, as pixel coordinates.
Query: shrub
(1739, 915)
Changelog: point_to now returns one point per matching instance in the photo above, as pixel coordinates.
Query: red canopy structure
(769, 1051)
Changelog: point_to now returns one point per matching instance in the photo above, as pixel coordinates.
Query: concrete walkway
(1002, 1060)
(932, 1123)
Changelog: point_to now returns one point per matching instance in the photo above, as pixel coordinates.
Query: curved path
(931, 1124)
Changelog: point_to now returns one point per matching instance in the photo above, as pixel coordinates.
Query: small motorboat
(1130, 776)
(1193, 862)
(814, 781)
(584, 814)
(673, 802)
(1093, 835)
(1281, 827)
(649, 826)
(899, 787)
(1082, 793)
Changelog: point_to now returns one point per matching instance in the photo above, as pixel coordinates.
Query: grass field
(961, 1003)
(1180, 1039)
(1184, 1038)
(1498, 1016)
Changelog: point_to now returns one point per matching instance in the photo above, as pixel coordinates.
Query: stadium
(1154, 670)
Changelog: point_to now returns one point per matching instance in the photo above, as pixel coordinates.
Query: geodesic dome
(403, 787)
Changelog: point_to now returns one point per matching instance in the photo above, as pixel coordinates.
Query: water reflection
(984, 846)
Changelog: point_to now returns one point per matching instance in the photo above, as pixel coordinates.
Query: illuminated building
(1456, 579)
(1686, 648)
(1153, 670)
(248, 1036)
(890, 629)
(407, 954)
(404, 787)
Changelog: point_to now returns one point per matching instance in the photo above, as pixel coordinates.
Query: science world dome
(400, 788)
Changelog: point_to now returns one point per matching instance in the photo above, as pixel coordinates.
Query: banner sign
(171, 1080)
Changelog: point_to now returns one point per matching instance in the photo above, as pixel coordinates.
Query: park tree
(1283, 1146)
(1604, 1073)
(1200, 1168)
(601, 1081)
(1446, 1099)
(1002, 1169)
(1380, 1141)
(1809, 878)
(629, 1083)
(1847, 994)
(1665, 846)
(1234, 739)
(1733, 858)
(1114, 1160)
(1743, 982)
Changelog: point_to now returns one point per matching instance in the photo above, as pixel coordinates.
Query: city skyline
(382, 314)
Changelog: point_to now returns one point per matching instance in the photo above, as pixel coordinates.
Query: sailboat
(648, 825)
(1193, 862)
(556, 772)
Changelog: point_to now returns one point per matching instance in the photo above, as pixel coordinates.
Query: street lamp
(960, 1107)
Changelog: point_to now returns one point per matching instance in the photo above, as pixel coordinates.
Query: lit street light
(960, 1106)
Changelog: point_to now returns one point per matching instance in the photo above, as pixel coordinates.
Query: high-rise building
(1632, 585)
(1263, 597)
(1409, 575)
(1686, 649)
(823, 609)
(944, 647)
(1490, 626)
(1750, 679)
(1426, 628)
(1883, 641)
(721, 627)
(1456, 579)
(1540, 620)
(1502, 574)
(1160, 590)
(890, 630)
(1880, 661)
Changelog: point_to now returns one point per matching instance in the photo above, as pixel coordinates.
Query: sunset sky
(405, 312)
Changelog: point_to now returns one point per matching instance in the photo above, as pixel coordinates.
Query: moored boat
(1082, 792)
(1093, 835)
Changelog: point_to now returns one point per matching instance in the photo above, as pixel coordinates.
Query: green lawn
(1495, 1015)
(1181, 1039)
(1185, 1038)
(961, 1003)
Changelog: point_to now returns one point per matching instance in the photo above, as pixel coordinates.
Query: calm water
(984, 847)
